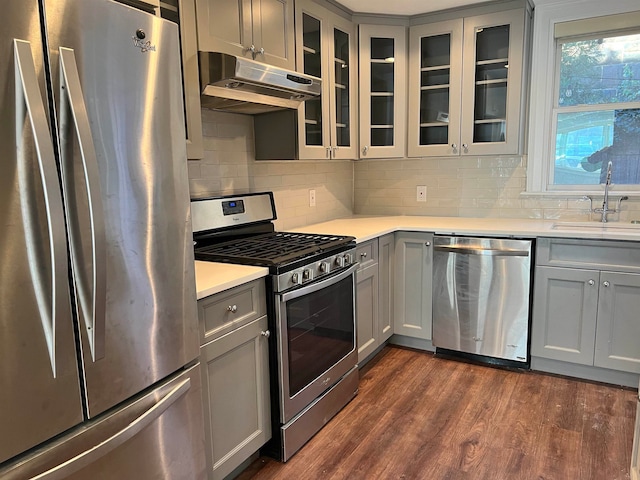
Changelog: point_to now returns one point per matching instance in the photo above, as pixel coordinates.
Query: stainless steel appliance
(481, 297)
(98, 327)
(310, 297)
(240, 85)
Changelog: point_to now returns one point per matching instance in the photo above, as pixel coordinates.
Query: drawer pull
(266, 334)
(363, 255)
(591, 282)
(606, 284)
(232, 308)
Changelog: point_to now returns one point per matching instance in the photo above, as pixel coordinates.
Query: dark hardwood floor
(421, 417)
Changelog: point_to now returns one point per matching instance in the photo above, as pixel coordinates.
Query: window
(585, 99)
(594, 120)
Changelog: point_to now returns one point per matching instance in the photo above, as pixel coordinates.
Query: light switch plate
(312, 198)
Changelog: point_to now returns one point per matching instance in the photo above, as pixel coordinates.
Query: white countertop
(212, 278)
(365, 228)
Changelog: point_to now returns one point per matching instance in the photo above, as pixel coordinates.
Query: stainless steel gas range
(311, 302)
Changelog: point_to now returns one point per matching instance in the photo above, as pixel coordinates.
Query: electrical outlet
(312, 198)
(421, 193)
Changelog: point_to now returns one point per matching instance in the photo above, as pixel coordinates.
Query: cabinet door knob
(591, 282)
(261, 51)
(605, 284)
(365, 149)
(266, 334)
(454, 146)
(465, 147)
(427, 244)
(232, 308)
(328, 149)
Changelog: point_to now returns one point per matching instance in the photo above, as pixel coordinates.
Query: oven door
(316, 339)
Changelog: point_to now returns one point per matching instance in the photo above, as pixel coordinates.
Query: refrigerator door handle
(28, 95)
(87, 457)
(92, 298)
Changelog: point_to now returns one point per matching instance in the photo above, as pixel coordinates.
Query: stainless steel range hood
(239, 85)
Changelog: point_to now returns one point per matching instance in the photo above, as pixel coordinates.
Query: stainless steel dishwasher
(481, 303)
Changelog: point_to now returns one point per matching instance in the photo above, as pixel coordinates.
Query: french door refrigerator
(98, 326)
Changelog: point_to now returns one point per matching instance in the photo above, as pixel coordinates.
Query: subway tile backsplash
(229, 167)
(463, 186)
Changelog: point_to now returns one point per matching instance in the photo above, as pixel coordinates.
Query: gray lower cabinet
(367, 299)
(234, 355)
(584, 315)
(412, 286)
(386, 273)
(635, 453)
(374, 294)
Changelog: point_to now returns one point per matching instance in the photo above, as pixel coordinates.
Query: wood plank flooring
(421, 417)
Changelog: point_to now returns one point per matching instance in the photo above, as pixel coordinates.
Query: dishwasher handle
(493, 252)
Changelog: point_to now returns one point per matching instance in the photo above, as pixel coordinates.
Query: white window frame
(544, 72)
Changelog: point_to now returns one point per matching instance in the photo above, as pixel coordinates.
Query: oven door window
(321, 331)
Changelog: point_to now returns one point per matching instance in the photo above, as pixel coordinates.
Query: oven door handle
(314, 287)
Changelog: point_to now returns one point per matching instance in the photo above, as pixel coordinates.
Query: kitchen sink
(597, 226)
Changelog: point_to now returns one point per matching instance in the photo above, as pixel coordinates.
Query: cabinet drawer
(225, 311)
(367, 253)
(593, 254)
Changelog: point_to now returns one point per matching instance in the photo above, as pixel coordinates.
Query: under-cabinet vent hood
(239, 85)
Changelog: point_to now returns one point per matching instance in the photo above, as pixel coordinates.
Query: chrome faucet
(605, 210)
(605, 201)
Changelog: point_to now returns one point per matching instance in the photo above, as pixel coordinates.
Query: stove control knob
(340, 261)
(324, 267)
(296, 279)
(307, 274)
(348, 259)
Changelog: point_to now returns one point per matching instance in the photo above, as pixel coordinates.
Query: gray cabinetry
(383, 91)
(412, 286)
(257, 29)
(635, 453)
(367, 299)
(235, 376)
(386, 272)
(326, 48)
(586, 300)
(374, 294)
(466, 78)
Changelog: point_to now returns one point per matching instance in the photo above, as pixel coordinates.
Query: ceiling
(404, 7)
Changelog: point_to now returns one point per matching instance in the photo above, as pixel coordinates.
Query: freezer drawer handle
(89, 456)
(482, 251)
(92, 291)
(28, 95)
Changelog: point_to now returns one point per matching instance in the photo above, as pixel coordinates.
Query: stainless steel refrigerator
(98, 326)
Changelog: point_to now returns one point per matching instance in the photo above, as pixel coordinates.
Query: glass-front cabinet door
(466, 94)
(382, 91)
(435, 83)
(325, 50)
(492, 93)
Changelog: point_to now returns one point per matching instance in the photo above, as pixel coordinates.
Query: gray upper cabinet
(261, 30)
(383, 91)
(326, 48)
(586, 299)
(413, 283)
(467, 85)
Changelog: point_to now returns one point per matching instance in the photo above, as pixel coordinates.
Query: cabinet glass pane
(492, 52)
(435, 74)
(382, 77)
(382, 48)
(492, 43)
(382, 137)
(382, 110)
(313, 121)
(435, 51)
(342, 66)
(312, 66)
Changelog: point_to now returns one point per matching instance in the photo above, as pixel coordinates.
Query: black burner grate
(272, 249)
